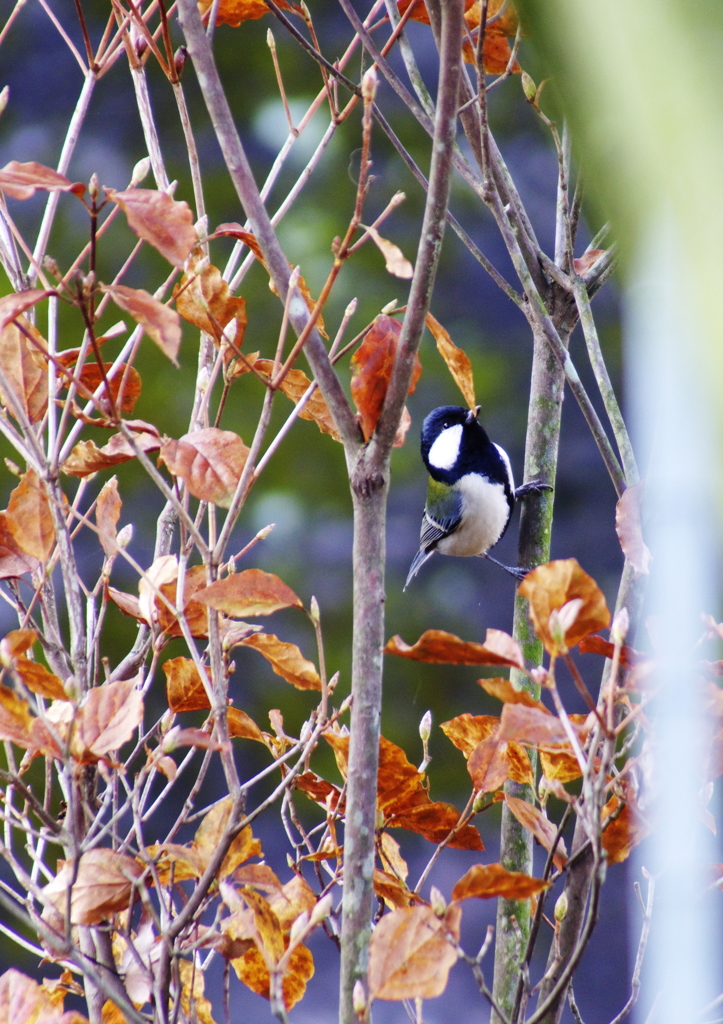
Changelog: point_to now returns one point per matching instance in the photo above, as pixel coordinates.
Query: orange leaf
(209, 835)
(294, 386)
(233, 13)
(507, 692)
(456, 359)
(253, 972)
(587, 259)
(439, 647)
(29, 518)
(541, 828)
(205, 300)
(23, 1001)
(195, 1004)
(560, 765)
(14, 561)
(210, 462)
(241, 726)
(489, 765)
(629, 528)
(233, 230)
(24, 368)
(102, 886)
(286, 660)
(411, 953)
(160, 220)
(488, 880)
(15, 719)
(20, 180)
(467, 731)
(160, 322)
(627, 830)
(550, 587)
(106, 720)
(318, 789)
(396, 262)
(87, 457)
(496, 54)
(107, 514)
(184, 689)
(15, 643)
(372, 366)
(251, 592)
(393, 891)
(195, 613)
(629, 657)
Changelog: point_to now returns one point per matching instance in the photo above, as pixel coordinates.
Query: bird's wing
(442, 516)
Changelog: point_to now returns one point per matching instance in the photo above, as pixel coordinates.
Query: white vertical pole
(677, 429)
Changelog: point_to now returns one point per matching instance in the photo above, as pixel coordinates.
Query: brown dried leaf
(17, 302)
(24, 368)
(29, 519)
(396, 262)
(23, 1001)
(530, 725)
(496, 54)
(195, 613)
(439, 647)
(102, 887)
(251, 968)
(249, 593)
(160, 220)
(294, 386)
(456, 359)
(410, 953)
(14, 561)
(403, 429)
(15, 643)
(587, 259)
(286, 660)
(210, 832)
(194, 1003)
(241, 726)
(15, 719)
(560, 765)
(549, 587)
(488, 765)
(128, 378)
(488, 880)
(107, 514)
(20, 180)
(467, 731)
(541, 828)
(234, 230)
(507, 692)
(87, 457)
(160, 322)
(204, 299)
(629, 528)
(393, 891)
(184, 689)
(372, 366)
(39, 679)
(294, 898)
(318, 789)
(629, 657)
(106, 720)
(210, 462)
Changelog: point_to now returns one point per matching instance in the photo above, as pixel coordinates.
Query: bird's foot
(514, 570)
(533, 487)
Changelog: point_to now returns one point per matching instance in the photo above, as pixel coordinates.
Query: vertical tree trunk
(541, 448)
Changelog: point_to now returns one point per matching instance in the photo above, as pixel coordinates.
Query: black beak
(473, 414)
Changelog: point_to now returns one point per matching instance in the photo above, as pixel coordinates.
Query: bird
(471, 492)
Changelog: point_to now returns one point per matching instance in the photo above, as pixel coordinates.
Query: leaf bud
(333, 682)
(543, 789)
(4, 97)
(351, 309)
(556, 628)
(528, 87)
(369, 85)
(89, 281)
(179, 60)
(479, 802)
(270, 41)
(539, 675)
(437, 902)
(314, 613)
(51, 265)
(141, 45)
(569, 612)
(171, 188)
(561, 907)
(298, 928)
(125, 536)
(425, 726)
(201, 227)
(359, 999)
(620, 626)
(390, 307)
(94, 187)
(140, 171)
(322, 910)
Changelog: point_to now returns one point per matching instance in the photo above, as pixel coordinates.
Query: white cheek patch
(506, 459)
(443, 453)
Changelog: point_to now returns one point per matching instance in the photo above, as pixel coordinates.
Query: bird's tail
(419, 559)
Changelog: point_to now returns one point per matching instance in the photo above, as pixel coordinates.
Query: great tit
(471, 490)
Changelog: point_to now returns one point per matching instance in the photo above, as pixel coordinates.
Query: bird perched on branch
(471, 490)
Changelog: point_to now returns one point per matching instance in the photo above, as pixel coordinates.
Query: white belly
(485, 511)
